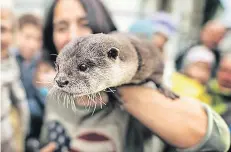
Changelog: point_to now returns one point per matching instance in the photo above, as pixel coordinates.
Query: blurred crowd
(30, 45)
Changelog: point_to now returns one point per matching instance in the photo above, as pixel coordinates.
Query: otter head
(91, 64)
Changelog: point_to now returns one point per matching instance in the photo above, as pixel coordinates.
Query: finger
(49, 148)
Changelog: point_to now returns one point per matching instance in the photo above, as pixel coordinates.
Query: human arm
(184, 123)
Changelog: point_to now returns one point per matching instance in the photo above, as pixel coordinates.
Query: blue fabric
(35, 109)
(43, 91)
(27, 73)
(142, 27)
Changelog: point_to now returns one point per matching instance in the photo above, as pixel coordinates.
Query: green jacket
(221, 101)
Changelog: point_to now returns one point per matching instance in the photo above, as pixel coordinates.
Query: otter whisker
(94, 103)
(101, 105)
(89, 104)
(55, 95)
(72, 106)
(94, 109)
(50, 93)
(111, 90)
(83, 101)
(54, 54)
(59, 101)
(64, 101)
(101, 100)
(72, 99)
(58, 96)
(68, 101)
(88, 101)
(43, 82)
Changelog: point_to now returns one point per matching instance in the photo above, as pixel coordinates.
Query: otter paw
(168, 93)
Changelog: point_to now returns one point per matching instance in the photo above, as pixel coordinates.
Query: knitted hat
(199, 54)
(142, 27)
(163, 23)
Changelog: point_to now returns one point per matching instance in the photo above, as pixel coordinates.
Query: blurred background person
(62, 29)
(198, 64)
(210, 36)
(44, 70)
(14, 106)
(220, 89)
(195, 74)
(159, 29)
(143, 28)
(164, 28)
(28, 53)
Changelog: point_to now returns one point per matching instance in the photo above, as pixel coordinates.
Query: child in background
(159, 29)
(43, 71)
(28, 52)
(14, 107)
(142, 28)
(196, 74)
(198, 64)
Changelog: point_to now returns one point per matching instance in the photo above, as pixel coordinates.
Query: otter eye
(113, 53)
(83, 67)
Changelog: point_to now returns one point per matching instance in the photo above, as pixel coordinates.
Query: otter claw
(168, 93)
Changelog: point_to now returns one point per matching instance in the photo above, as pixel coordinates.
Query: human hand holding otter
(175, 121)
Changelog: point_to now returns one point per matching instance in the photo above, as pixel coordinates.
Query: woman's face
(70, 21)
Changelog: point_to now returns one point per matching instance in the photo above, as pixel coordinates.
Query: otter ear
(113, 53)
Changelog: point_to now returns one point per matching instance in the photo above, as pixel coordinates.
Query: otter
(90, 64)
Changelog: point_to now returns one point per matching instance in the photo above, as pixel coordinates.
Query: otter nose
(62, 83)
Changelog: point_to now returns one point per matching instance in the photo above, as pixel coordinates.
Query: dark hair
(99, 21)
(29, 19)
